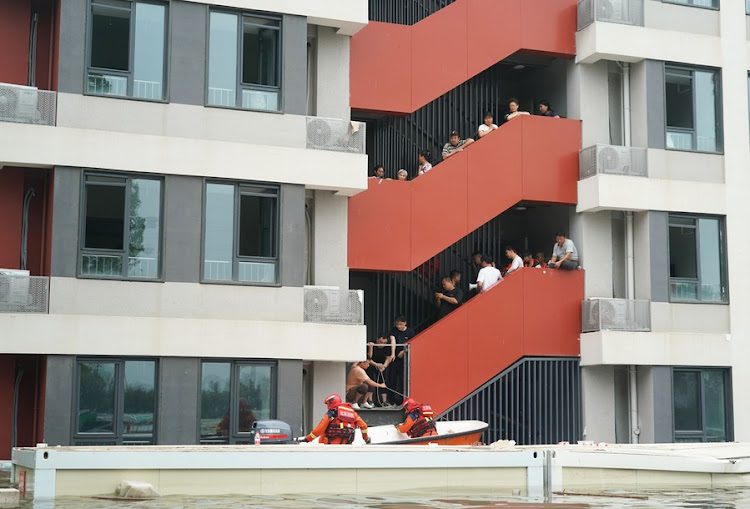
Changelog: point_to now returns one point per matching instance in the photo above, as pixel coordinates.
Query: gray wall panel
(58, 413)
(658, 241)
(178, 401)
(65, 223)
(188, 45)
(72, 46)
(289, 399)
(655, 108)
(662, 378)
(292, 235)
(294, 58)
(182, 223)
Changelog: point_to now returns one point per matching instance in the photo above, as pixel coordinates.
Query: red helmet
(333, 400)
(409, 405)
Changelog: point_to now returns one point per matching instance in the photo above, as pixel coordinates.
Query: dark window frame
(234, 435)
(129, 74)
(722, 258)
(692, 4)
(83, 250)
(241, 14)
(719, 111)
(236, 258)
(701, 434)
(117, 436)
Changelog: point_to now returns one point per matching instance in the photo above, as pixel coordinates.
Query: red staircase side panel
(549, 26)
(439, 54)
(438, 208)
(550, 159)
(380, 68)
(379, 227)
(492, 25)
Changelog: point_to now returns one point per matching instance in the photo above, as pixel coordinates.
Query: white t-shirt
(517, 263)
(488, 276)
(483, 128)
(425, 168)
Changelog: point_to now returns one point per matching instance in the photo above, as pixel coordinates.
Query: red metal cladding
(534, 312)
(397, 226)
(399, 69)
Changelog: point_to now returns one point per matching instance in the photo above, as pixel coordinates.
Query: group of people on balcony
(457, 144)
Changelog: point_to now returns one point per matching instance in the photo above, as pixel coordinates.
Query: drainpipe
(630, 294)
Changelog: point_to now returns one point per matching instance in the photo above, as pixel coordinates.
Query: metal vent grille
(330, 305)
(612, 160)
(616, 314)
(336, 135)
(24, 294)
(27, 105)
(624, 12)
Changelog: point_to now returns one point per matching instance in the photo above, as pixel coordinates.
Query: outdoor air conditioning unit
(611, 10)
(14, 287)
(18, 103)
(330, 304)
(613, 314)
(318, 133)
(613, 160)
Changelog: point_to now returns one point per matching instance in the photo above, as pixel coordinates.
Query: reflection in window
(215, 402)
(139, 402)
(693, 109)
(96, 397)
(244, 54)
(697, 262)
(112, 47)
(119, 212)
(700, 405)
(713, 4)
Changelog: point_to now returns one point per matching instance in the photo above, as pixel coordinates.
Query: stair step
(381, 416)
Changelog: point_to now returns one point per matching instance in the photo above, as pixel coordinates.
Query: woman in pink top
(424, 162)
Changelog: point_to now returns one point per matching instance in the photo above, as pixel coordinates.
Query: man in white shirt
(564, 254)
(487, 127)
(488, 275)
(516, 262)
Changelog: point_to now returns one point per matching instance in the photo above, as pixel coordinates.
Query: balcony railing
(27, 105)
(612, 160)
(616, 314)
(624, 12)
(336, 135)
(325, 304)
(24, 294)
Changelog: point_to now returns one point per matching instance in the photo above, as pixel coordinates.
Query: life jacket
(531, 263)
(424, 422)
(343, 424)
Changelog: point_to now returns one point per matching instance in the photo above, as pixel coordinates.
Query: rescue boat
(449, 433)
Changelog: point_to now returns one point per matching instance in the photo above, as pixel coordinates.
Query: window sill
(706, 7)
(719, 153)
(120, 278)
(706, 302)
(128, 98)
(236, 108)
(239, 283)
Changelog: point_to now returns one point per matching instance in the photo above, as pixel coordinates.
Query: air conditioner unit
(14, 287)
(18, 103)
(318, 133)
(330, 304)
(611, 10)
(613, 314)
(613, 160)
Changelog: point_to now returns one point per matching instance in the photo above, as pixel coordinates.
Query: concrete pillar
(598, 387)
(328, 377)
(591, 232)
(329, 240)
(332, 76)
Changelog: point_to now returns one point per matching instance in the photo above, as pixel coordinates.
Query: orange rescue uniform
(419, 423)
(338, 426)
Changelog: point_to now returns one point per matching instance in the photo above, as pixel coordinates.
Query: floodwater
(730, 498)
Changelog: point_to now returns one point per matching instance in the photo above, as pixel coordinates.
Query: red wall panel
(7, 374)
(492, 25)
(550, 25)
(11, 208)
(15, 25)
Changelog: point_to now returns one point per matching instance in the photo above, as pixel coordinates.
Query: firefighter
(339, 424)
(420, 420)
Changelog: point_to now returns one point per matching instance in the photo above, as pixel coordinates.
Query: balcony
(612, 160)
(325, 304)
(23, 294)
(27, 105)
(624, 12)
(336, 135)
(616, 314)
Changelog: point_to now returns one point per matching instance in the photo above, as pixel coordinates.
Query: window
(240, 239)
(121, 227)
(233, 396)
(747, 6)
(697, 259)
(709, 4)
(244, 56)
(693, 109)
(127, 49)
(701, 405)
(116, 402)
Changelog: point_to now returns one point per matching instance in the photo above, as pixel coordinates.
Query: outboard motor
(272, 432)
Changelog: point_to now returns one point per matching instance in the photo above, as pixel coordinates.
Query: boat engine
(272, 432)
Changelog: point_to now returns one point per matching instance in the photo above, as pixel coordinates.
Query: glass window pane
(222, 60)
(110, 35)
(260, 50)
(96, 397)
(104, 84)
(140, 401)
(105, 216)
(148, 59)
(705, 111)
(686, 391)
(215, 384)
(219, 232)
(715, 393)
(101, 265)
(255, 394)
(257, 235)
(679, 95)
(260, 100)
(682, 252)
(145, 228)
(710, 259)
(257, 272)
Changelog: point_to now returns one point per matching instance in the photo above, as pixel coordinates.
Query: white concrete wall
(703, 318)
(594, 231)
(328, 378)
(680, 165)
(598, 387)
(330, 219)
(588, 99)
(332, 77)
(647, 411)
(666, 16)
(642, 255)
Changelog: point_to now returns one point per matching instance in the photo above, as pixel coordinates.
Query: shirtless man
(359, 386)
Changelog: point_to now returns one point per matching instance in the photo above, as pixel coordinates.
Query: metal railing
(616, 314)
(324, 304)
(24, 294)
(612, 160)
(27, 105)
(336, 135)
(624, 12)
